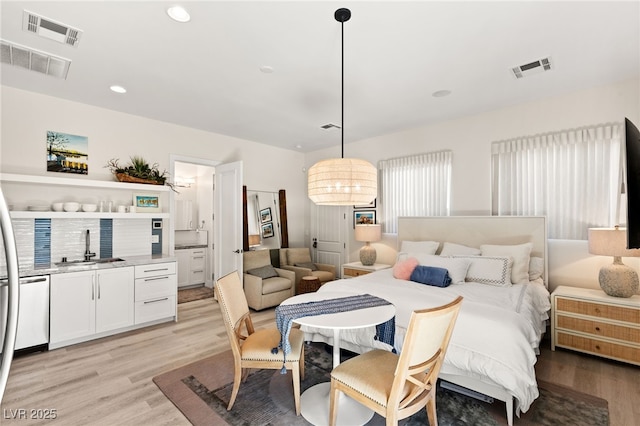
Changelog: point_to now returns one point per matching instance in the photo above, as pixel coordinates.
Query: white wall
(470, 140)
(26, 117)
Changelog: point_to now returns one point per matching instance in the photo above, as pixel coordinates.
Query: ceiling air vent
(33, 60)
(535, 67)
(48, 28)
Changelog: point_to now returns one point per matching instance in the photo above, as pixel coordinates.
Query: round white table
(314, 402)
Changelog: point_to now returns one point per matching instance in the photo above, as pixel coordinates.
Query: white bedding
(496, 335)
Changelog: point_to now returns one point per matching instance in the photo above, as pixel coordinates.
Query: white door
(227, 219)
(328, 234)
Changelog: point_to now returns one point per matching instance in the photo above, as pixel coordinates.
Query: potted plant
(137, 171)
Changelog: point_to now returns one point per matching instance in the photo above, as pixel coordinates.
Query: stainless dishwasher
(33, 311)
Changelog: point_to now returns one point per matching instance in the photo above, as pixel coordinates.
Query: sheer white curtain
(418, 185)
(572, 177)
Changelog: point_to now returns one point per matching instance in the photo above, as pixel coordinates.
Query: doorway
(191, 227)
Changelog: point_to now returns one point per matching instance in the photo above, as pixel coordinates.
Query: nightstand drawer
(592, 309)
(598, 347)
(354, 272)
(598, 329)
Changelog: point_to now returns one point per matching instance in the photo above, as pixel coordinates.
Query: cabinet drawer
(155, 269)
(599, 329)
(598, 347)
(354, 272)
(155, 309)
(197, 262)
(154, 287)
(593, 309)
(197, 276)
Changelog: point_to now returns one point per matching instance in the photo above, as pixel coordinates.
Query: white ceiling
(205, 74)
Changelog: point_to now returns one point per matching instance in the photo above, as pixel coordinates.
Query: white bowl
(71, 207)
(89, 207)
(57, 207)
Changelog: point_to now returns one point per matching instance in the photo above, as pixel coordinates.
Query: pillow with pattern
(492, 270)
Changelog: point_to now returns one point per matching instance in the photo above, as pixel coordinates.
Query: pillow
(457, 267)
(489, 270)
(402, 269)
(453, 249)
(536, 268)
(264, 272)
(308, 265)
(438, 277)
(426, 247)
(520, 255)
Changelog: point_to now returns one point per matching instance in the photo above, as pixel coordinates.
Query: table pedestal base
(314, 404)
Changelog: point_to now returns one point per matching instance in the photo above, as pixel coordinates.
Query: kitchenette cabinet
(86, 303)
(191, 266)
(155, 292)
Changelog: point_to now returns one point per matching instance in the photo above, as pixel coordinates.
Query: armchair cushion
(298, 255)
(308, 265)
(264, 272)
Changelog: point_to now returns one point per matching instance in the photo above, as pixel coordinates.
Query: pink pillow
(403, 268)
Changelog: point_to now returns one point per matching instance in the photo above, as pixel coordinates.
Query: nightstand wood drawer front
(354, 272)
(598, 328)
(598, 347)
(592, 309)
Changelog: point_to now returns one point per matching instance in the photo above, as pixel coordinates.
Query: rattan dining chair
(253, 348)
(398, 386)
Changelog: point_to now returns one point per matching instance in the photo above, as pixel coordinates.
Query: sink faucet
(87, 253)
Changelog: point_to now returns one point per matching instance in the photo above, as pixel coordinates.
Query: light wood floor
(108, 381)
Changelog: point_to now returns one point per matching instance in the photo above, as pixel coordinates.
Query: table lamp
(368, 233)
(616, 279)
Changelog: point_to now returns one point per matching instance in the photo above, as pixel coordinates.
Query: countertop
(189, 246)
(30, 271)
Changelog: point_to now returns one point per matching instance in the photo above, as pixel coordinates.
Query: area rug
(201, 391)
(191, 294)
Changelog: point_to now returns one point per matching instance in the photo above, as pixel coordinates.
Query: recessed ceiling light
(118, 89)
(299, 146)
(441, 93)
(266, 69)
(178, 13)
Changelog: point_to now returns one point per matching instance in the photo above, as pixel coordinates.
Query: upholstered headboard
(476, 230)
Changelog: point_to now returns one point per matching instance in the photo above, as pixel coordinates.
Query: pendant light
(342, 181)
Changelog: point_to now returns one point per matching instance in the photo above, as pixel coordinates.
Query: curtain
(572, 177)
(418, 185)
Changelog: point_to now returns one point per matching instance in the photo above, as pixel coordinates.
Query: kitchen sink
(81, 262)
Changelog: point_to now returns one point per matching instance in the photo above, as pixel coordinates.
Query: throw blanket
(286, 314)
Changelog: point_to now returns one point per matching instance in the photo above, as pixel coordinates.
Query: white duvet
(496, 335)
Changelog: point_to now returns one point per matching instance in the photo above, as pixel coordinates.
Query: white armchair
(264, 285)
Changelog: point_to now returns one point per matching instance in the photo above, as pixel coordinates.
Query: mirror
(265, 220)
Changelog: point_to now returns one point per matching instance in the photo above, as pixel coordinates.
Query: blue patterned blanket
(286, 314)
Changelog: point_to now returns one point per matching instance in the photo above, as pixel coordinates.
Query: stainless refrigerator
(8, 304)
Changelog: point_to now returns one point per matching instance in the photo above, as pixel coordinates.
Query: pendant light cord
(342, 92)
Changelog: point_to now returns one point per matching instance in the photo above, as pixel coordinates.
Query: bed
(494, 346)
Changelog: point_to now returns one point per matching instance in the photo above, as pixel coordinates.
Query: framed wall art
(67, 153)
(265, 215)
(267, 230)
(146, 203)
(364, 217)
(371, 205)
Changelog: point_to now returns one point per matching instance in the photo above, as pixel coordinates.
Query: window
(418, 185)
(572, 177)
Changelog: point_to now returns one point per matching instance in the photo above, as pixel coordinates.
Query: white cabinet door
(73, 308)
(114, 299)
(184, 268)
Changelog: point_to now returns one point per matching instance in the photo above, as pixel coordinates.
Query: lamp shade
(254, 240)
(342, 182)
(610, 242)
(368, 233)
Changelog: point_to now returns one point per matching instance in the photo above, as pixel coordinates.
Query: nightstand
(355, 269)
(590, 321)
